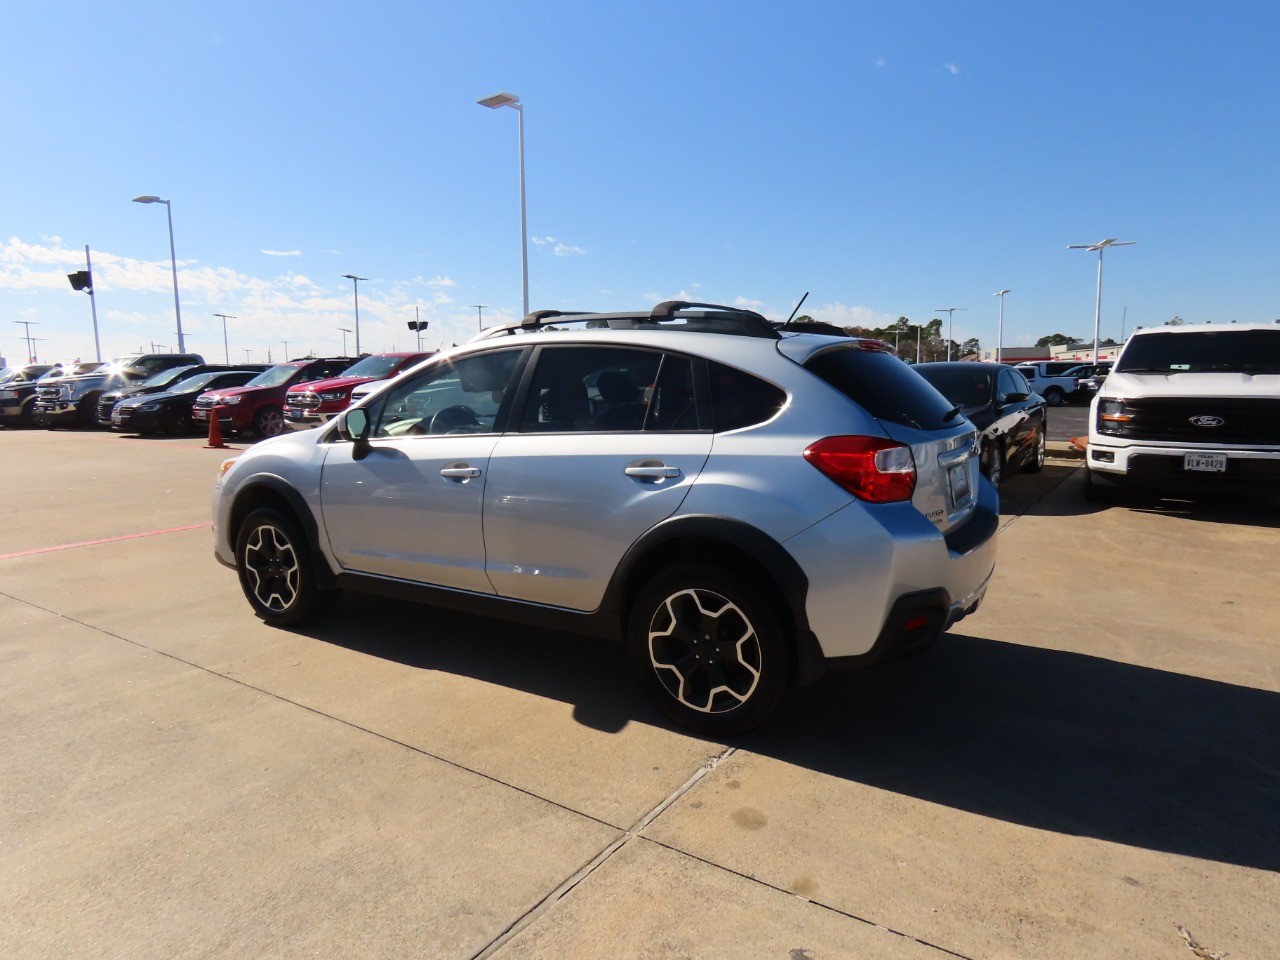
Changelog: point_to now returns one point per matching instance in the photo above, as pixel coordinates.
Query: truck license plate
(1205, 462)
(199, 415)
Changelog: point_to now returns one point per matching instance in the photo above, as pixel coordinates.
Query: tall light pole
(1097, 310)
(173, 261)
(31, 350)
(480, 314)
(83, 280)
(345, 331)
(950, 312)
(512, 101)
(225, 349)
(1000, 326)
(286, 350)
(355, 283)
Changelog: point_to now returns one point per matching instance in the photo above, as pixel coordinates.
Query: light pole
(512, 101)
(1000, 326)
(225, 349)
(950, 312)
(31, 350)
(480, 314)
(1097, 310)
(355, 283)
(286, 350)
(345, 331)
(246, 354)
(83, 280)
(173, 261)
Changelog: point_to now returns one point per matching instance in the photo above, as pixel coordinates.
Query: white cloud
(846, 316)
(565, 250)
(283, 253)
(951, 68)
(441, 282)
(879, 61)
(756, 305)
(542, 241)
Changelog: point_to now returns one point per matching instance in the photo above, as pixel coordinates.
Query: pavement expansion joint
(561, 891)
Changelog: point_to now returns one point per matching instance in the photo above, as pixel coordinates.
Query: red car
(258, 406)
(308, 405)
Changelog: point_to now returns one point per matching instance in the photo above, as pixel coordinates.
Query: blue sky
(891, 158)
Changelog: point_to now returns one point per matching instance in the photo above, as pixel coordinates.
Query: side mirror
(1014, 397)
(353, 425)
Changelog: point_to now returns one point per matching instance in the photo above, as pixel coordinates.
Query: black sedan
(170, 412)
(995, 398)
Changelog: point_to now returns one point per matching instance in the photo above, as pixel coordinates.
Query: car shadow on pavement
(1049, 739)
(1057, 741)
(590, 673)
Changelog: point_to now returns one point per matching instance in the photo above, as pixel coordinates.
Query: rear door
(606, 445)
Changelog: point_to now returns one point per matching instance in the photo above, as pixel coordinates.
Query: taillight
(871, 468)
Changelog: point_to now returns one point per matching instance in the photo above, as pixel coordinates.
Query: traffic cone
(215, 431)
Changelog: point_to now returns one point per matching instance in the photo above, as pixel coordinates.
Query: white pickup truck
(1054, 380)
(1189, 407)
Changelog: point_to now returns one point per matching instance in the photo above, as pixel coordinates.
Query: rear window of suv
(884, 386)
(1226, 351)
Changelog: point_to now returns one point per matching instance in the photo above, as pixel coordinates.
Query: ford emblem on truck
(1207, 421)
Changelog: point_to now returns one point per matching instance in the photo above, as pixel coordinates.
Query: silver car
(745, 506)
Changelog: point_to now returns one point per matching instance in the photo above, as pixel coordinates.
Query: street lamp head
(352, 276)
(149, 199)
(1001, 293)
(500, 100)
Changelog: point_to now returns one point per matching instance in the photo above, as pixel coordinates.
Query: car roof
(1207, 327)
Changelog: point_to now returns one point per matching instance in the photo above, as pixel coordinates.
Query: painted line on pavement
(94, 543)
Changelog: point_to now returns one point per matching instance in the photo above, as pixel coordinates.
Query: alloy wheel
(705, 651)
(272, 566)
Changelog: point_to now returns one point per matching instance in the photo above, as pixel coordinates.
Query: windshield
(193, 383)
(275, 376)
(164, 377)
(1226, 351)
(375, 367)
(967, 387)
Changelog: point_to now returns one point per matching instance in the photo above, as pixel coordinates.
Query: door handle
(460, 473)
(658, 472)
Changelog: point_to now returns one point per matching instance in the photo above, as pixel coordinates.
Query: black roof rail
(681, 314)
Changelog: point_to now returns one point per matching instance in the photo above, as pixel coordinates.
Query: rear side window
(741, 400)
(884, 386)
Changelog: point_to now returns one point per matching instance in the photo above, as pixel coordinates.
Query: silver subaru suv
(744, 504)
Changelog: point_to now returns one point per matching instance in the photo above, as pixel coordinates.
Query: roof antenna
(796, 310)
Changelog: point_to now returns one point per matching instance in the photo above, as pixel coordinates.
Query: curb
(1063, 450)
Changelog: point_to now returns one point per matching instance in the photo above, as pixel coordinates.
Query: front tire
(274, 562)
(268, 422)
(991, 463)
(1053, 397)
(708, 651)
(1036, 463)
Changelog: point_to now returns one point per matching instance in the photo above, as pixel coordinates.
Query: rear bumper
(875, 572)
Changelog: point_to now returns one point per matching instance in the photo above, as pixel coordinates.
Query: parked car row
(177, 393)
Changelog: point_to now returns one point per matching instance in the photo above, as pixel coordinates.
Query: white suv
(743, 504)
(1189, 407)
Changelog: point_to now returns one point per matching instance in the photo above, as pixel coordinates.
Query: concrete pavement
(1084, 764)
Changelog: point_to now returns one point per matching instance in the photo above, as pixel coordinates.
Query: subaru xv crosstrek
(743, 505)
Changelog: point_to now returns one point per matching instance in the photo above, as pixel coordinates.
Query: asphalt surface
(1080, 768)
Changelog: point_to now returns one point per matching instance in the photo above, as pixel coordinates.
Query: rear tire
(708, 651)
(274, 562)
(1053, 396)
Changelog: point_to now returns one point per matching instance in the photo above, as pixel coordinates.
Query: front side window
(452, 397)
